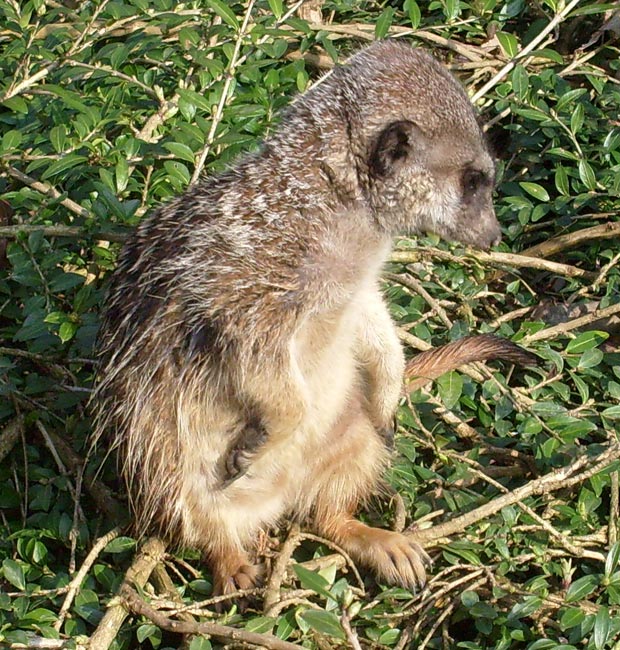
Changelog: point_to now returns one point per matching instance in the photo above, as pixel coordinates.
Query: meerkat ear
(393, 146)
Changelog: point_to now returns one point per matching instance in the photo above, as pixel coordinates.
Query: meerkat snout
(427, 165)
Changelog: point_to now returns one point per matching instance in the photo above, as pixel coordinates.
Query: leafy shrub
(109, 108)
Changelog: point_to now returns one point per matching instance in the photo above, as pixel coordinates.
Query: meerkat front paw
(240, 456)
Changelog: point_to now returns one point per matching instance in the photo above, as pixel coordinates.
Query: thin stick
(223, 632)
(573, 239)
(563, 328)
(532, 45)
(79, 577)
(47, 190)
(555, 480)
(230, 75)
(494, 259)
(151, 553)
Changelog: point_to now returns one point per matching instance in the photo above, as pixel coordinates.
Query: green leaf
(122, 175)
(120, 545)
(200, 643)
(14, 573)
(261, 624)
(16, 104)
(384, 23)
(586, 174)
(535, 190)
(150, 632)
(67, 330)
(561, 180)
(11, 140)
(413, 10)
(569, 98)
(581, 588)
(469, 598)
(224, 12)
(613, 413)
(63, 164)
(323, 622)
(520, 81)
(194, 99)
(277, 8)
(602, 626)
(613, 557)
(178, 172)
(590, 358)
(508, 43)
(181, 151)
(572, 617)
(312, 580)
(586, 341)
(58, 138)
(576, 119)
(529, 605)
(570, 427)
(450, 388)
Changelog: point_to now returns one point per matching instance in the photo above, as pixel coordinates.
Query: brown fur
(429, 365)
(248, 361)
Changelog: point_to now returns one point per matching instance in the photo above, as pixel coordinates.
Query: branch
(556, 480)
(492, 259)
(10, 436)
(562, 328)
(573, 239)
(78, 232)
(76, 582)
(48, 190)
(230, 75)
(223, 632)
(150, 555)
(532, 45)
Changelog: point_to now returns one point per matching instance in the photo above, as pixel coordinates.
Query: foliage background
(108, 108)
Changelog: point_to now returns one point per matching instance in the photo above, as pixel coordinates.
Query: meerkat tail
(429, 365)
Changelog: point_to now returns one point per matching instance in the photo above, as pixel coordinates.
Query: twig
(350, 633)
(562, 539)
(223, 632)
(407, 280)
(278, 570)
(492, 259)
(563, 328)
(48, 190)
(230, 75)
(40, 643)
(100, 493)
(573, 239)
(614, 510)
(77, 580)
(555, 480)
(63, 231)
(532, 45)
(151, 553)
(10, 435)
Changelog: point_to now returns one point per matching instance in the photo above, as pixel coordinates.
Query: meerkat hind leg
(348, 473)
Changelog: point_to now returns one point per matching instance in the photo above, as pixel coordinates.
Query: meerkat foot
(239, 458)
(234, 571)
(395, 558)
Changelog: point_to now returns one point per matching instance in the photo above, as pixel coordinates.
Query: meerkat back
(248, 361)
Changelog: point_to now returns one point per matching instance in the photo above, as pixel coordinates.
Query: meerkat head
(423, 161)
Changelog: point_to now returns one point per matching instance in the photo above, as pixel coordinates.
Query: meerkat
(248, 361)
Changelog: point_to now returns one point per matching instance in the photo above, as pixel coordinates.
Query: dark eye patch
(473, 179)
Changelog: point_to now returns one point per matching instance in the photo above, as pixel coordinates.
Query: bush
(109, 108)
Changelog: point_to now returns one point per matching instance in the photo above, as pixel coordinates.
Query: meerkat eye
(472, 180)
